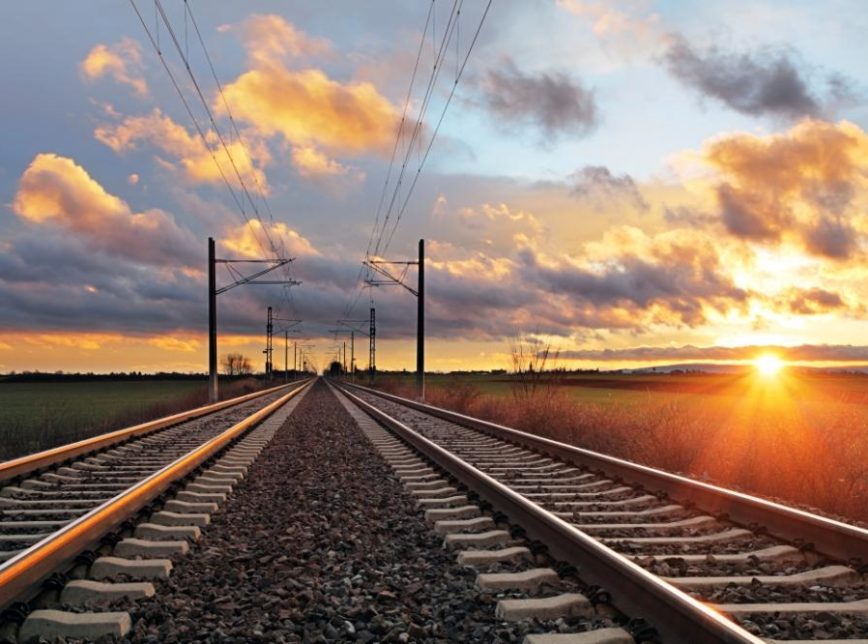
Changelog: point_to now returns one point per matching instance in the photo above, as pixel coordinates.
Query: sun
(768, 364)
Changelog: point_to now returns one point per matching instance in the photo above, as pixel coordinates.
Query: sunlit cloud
(305, 106)
(626, 27)
(310, 162)
(828, 353)
(269, 37)
(121, 61)
(253, 238)
(801, 186)
(56, 192)
(248, 156)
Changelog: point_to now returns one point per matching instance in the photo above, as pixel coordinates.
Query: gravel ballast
(321, 543)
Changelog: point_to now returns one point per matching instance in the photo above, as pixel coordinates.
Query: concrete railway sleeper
(181, 475)
(517, 572)
(770, 586)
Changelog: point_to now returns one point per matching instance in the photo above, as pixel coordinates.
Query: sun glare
(768, 364)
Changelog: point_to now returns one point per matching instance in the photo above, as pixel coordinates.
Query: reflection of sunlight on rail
(769, 364)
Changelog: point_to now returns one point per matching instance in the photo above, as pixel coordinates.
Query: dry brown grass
(768, 439)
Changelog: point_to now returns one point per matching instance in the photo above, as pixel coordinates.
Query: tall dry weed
(810, 454)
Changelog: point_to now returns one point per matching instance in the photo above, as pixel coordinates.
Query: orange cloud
(802, 185)
(122, 61)
(305, 106)
(249, 156)
(249, 239)
(270, 37)
(55, 191)
(310, 162)
(174, 343)
(629, 28)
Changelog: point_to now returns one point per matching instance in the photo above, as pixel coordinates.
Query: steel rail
(41, 460)
(830, 537)
(21, 576)
(677, 616)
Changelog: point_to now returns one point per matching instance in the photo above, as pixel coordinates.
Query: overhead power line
(278, 250)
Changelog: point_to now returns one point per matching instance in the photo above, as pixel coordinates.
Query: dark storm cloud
(598, 182)
(554, 102)
(766, 81)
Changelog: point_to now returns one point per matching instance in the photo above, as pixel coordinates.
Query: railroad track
(701, 563)
(112, 506)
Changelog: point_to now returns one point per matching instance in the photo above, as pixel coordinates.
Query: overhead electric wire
(189, 110)
(432, 81)
(452, 27)
(439, 123)
(398, 134)
(274, 249)
(210, 114)
(259, 188)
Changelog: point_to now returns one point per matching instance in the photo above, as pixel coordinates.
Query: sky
(628, 182)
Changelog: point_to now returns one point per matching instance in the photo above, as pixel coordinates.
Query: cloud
(554, 102)
(767, 81)
(311, 163)
(814, 301)
(249, 240)
(305, 106)
(55, 192)
(801, 353)
(634, 279)
(626, 28)
(270, 37)
(122, 61)
(598, 182)
(248, 156)
(801, 185)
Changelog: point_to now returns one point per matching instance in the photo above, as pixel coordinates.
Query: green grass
(38, 416)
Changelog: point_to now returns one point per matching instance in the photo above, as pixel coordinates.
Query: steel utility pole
(386, 278)
(212, 323)
(355, 326)
(269, 345)
(213, 292)
(420, 324)
(286, 356)
(372, 347)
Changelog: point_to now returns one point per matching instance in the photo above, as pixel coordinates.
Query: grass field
(799, 437)
(39, 415)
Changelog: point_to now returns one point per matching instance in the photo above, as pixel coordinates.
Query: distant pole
(420, 325)
(372, 347)
(269, 345)
(353, 356)
(294, 359)
(286, 356)
(345, 357)
(212, 323)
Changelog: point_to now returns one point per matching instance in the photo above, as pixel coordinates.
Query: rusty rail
(677, 616)
(833, 538)
(41, 460)
(21, 576)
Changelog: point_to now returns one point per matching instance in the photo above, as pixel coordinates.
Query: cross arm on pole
(379, 266)
(253, 279)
